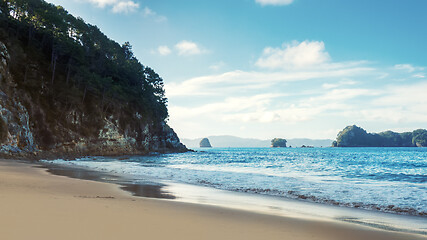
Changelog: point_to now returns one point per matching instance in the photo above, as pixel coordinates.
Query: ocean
(390, 180)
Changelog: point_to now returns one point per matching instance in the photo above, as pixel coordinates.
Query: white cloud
(117, 6)
(232, 108)
(395, 104)
(125, 7)
(149, 13)
(410, 95)
(272, 107)
(242, 81)
(400, 104)
(416, 72)
(303, 100)
(187, 48)
(164, 50)
(340, 95)
(338, 84)
(294, 55)
(182, 48)
(419, 75)
(406, 67)
(274, 2)
(103, 3)
(217, 66)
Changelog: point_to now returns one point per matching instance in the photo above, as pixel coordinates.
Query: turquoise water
(381, 179)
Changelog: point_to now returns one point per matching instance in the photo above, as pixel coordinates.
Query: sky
(277, 68)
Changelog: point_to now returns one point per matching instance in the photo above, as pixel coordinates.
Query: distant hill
(354, 136)
(232, 141)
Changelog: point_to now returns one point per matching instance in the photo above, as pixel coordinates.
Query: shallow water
(381, 179)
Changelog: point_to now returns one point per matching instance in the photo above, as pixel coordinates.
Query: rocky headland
(64, 95)
(354, 136)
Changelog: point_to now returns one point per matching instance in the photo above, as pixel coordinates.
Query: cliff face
(15, 132)
(66, 88)
(25, 129)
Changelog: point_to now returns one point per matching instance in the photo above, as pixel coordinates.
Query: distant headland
(354, 136)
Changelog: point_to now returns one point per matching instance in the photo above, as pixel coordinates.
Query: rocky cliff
(25, 131)
(68, 89)
(15, 133)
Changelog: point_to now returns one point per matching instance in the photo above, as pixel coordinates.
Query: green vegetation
(420, 138)
(278, 142)
(354, 136)
(3, 131)
(70, 75)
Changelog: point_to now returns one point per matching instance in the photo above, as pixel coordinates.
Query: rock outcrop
(204, 143)
(278, 143)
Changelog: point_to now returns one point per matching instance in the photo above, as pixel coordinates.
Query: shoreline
(259, 203)
(48, 206)
(309, 188)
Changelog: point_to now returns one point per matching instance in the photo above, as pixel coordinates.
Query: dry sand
(37, 205)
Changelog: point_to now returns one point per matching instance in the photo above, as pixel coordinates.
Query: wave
(387, 180)
(311, 198)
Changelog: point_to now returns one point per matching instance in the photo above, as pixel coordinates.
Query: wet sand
(37, 205)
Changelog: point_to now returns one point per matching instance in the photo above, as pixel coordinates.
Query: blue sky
(277, 68)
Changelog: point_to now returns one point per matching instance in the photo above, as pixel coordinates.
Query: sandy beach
(37, 205)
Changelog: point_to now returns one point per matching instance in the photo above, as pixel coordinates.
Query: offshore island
(354, 136)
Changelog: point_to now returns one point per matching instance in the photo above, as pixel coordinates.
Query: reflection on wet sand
(140, 189)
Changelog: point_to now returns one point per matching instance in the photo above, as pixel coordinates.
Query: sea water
(380, 179)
